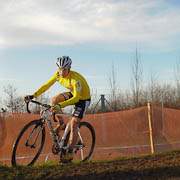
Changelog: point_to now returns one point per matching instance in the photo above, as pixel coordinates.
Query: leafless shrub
(136, 80)
(13, 102)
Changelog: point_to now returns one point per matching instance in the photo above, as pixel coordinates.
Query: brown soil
(159, 166)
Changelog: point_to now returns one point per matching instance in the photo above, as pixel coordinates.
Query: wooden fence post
(150, 128)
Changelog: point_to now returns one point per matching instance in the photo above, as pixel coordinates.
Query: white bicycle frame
(46, 116)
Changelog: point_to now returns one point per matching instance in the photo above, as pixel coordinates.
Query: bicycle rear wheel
(29, 144)
(85, 143)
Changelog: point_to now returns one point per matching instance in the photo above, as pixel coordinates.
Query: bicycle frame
(36, 128)
(46, 116)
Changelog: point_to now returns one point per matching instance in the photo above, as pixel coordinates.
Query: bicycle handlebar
(36, 102)
(40, 104)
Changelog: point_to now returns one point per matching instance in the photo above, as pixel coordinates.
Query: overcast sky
(94, 33)
(154, 23)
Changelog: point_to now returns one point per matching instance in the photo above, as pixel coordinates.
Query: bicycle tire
(25, 128)
(88, 125)
(93, 136)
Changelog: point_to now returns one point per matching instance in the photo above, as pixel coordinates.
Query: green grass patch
(157, 166)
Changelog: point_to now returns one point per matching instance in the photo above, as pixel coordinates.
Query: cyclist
(78, 94)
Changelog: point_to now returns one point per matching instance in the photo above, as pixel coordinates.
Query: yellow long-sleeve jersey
(75, 82)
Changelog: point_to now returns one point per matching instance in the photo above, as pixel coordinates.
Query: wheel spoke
(40, 129)
(33, 134)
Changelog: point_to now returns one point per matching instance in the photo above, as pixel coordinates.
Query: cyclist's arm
(46, 86)
(76, 95)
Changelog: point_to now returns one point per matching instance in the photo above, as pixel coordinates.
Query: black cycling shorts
(80, 108)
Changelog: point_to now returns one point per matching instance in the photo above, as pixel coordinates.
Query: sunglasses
(60, 68)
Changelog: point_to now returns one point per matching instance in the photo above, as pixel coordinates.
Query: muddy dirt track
(161, 166)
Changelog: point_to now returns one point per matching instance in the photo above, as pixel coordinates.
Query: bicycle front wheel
(29, 144)
(85, 143)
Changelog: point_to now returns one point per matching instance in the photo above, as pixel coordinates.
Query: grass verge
(159, 166)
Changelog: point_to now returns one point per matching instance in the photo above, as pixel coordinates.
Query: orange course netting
(123, 133)
(166, 125)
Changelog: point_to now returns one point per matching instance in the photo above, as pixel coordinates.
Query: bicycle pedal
(55, 149)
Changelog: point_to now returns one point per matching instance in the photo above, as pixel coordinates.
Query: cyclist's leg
(60, 98)
(73, 123)
(78, 113)
(57, 99)
(73, 133)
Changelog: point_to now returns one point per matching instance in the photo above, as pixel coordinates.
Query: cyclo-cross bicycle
(30, 141)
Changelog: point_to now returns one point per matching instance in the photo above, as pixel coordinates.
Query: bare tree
(128, 99)
(2, 109)
(13, 102)
(113, 88)
(1, 104)
(94, 99)
(44, 98)
(153, 87)
(169, 98)
(177, 80)
(136, 81)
